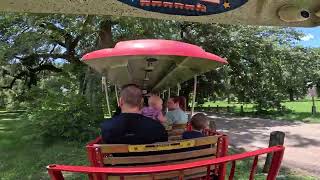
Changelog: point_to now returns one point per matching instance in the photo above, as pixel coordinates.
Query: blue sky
(312, 37)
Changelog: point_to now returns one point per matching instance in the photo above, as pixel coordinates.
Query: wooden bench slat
(170, 163)
(159, 158)
(123, 148)
(179, 126)
(175, 138)
(176, 132)
(187, 161)
(188, 174)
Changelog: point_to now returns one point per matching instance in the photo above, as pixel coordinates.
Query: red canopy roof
(173, 62)
(153, 47)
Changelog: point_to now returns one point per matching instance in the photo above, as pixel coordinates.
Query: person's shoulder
(186, 132)
(179, 111)
(112, 120)
(169, 113)
(150, 121)
(106, 120)
(149, 109)
(106, 123)
(187, 135)
(182, 113)
(145, 109)
(192, 134)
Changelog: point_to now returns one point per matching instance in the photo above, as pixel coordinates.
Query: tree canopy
(40, 57)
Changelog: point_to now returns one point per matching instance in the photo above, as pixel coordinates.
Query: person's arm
(161, 118)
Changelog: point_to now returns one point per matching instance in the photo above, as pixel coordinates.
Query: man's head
(199, 121)
(130, 97)
(173, 103)
(176, 102)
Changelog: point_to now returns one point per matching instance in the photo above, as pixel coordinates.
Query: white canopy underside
(255, 12)
(167, 72)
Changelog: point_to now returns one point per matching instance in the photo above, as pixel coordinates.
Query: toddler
(154, 110)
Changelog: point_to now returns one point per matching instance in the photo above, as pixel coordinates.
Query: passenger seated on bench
(199, 122)
(176, 114)
(131, 127)
(154, 110)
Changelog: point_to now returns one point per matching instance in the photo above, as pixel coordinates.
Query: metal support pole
(116, 92)
(169, 93)
(314, 108)
(178, 90)
(194, 95)
(104, 83)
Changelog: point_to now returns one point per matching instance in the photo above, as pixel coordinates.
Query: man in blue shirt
(175, 115)
(130, 127)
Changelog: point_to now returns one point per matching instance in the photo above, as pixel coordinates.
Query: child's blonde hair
(153, 100)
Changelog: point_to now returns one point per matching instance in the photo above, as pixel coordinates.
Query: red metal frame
(94, 153)
(55, 171)
(222, 151)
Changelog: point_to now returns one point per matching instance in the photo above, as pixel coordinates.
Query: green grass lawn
(299, 110)
(24, 158)
(237, 106)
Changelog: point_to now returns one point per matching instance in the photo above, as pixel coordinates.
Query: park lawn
(301, 106)
(23, 158)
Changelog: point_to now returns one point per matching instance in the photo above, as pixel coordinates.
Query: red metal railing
(93, 153)
(55, 171)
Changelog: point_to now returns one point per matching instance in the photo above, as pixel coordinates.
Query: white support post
(194, 95)
(104, 84)
(169, 93)
(178, 90)
(116, 91)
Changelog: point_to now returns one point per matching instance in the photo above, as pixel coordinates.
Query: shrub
(63, 117)
(56, 110)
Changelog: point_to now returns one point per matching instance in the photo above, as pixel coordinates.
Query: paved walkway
(302, 140)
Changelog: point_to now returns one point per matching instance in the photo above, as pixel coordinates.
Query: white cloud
(307, 37)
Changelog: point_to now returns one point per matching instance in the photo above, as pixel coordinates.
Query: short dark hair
(199, 121)
(181, 100)
(132, 95)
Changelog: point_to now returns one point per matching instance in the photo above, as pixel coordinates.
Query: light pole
(313, 93)
(314, 108)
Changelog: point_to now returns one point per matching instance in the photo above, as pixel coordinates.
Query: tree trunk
(291, 95)
(92, 80)
(93, 92)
